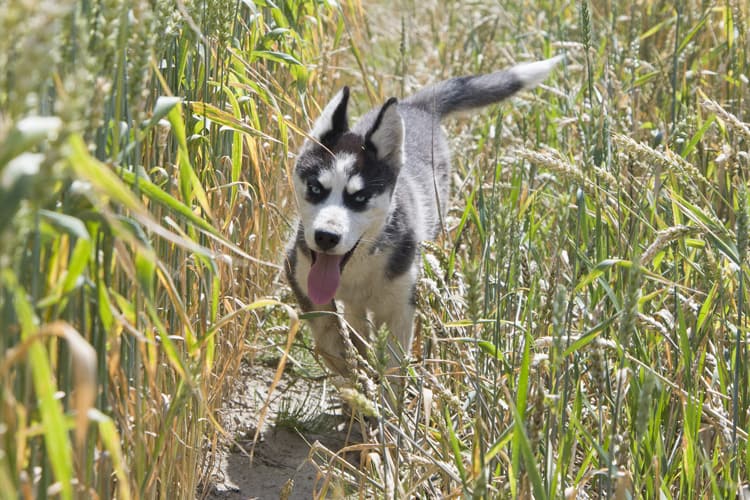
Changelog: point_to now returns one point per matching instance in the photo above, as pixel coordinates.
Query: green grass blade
(59, 450)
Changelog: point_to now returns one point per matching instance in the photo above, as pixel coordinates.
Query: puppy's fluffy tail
(468, 92)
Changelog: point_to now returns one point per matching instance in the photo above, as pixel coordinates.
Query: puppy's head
(344, 181)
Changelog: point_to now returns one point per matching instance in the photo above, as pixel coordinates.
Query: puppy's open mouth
(325, 275)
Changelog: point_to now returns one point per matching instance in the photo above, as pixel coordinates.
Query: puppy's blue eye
(315, 191)
(314, 187)
(361, 197)
(358, 201)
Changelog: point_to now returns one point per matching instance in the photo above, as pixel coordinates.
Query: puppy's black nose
(326, 240)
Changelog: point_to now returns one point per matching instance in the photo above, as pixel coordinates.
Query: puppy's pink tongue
(324, 277)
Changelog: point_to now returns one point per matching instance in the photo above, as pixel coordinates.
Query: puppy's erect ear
(333, 120)
(386, 137)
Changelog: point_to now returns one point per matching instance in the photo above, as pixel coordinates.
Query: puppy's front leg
(356, 317)
(327, 332)
(401, 326)
(397, 313)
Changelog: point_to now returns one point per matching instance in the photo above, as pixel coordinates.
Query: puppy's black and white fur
(368, 195)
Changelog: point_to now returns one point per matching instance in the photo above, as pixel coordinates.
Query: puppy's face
(343, 182)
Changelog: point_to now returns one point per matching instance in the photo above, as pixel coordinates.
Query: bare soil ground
(280, 465)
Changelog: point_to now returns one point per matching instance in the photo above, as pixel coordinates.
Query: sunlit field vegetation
(582, 320)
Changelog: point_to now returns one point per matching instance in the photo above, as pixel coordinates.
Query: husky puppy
(367, 196)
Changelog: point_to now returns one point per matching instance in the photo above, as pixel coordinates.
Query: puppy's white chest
(362, 279)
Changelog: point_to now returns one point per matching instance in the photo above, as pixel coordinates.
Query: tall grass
(583, 321)
(143, 148)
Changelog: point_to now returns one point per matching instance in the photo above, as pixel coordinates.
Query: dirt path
(279, 459)
(281, 453)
